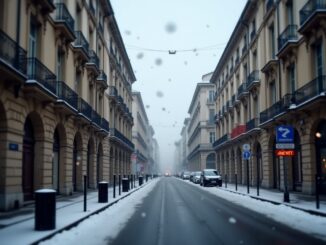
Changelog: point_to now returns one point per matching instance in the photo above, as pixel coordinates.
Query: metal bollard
(85, 193)
(114, 183)
(119, 184)
(103, 192)
(140, 180)
(45, 211)
(125, 185)
(236, 182)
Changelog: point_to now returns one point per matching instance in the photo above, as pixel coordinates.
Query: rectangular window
(291, 79)
(289, 12)
(60, 65)
(272, 92)
(78, 83)
(211, 115)
(32, 40)
(272, 42)
(211, 96)
(212, 137)
(319, 59)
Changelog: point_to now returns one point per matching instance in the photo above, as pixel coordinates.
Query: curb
(278, 203)
(75, 223)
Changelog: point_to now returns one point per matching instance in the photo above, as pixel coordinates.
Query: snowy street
(172, 211)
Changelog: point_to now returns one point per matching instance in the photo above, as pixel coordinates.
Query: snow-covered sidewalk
(20, 229)
(283, 213)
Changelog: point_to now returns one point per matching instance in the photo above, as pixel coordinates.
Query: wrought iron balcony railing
(253, 123)
(105, 124)
(102, 76)
(84, 108)
(12, 53)
(96, 118)
(252, 78)
(242, 90)
(41, 74)
(289, 34)
(81, 42)
(116, 133)
(93, 58)
(314, 88)
(112, 91)
(220, 141)
(311, 7)
(276, 109)
(233, 100)
(62, 15)
(66, 94)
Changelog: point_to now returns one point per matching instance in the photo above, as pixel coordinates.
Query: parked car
(210, 177)
(192, 174)
(196, 178)
(186, 175)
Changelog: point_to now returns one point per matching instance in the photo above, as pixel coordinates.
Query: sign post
(285, 146)
(246, 155)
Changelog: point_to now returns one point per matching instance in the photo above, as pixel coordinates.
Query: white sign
(284, 146)
(246, 147)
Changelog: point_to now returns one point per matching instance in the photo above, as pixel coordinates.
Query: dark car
(210, 177)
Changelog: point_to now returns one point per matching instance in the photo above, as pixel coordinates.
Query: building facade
(57, 61)
(201, 128)
(271, 73)
(142, 136)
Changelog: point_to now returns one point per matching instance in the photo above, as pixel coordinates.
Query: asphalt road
(178, 213)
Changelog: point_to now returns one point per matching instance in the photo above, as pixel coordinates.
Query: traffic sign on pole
(284, 134)
(246, 147)
(246, 155)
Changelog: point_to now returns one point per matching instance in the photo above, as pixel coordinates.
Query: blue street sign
(246, 155)
(284, 134)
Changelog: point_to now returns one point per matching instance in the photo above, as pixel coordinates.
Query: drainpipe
(18, 32)
(279, 62)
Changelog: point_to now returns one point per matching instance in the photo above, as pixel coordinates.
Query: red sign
(285, 153)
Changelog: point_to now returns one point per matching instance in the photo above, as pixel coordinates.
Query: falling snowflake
(127, 32)
(158, 61)
(170, 27)
(140, 55)
(159, 94)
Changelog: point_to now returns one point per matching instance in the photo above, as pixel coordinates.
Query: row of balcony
(113, 94)
(313, 90)
(116, 133)
(40, 77)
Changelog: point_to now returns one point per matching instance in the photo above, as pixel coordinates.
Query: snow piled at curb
(105, 226)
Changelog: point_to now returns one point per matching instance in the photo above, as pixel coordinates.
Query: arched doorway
(210, 161)
(28, 160)
(56, 162)
(320, 145)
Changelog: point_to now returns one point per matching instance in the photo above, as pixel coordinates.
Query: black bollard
(45, 211)
(119, 184)
(226, 181)
(114, 183)
(85, 193)
(103, 192)
(317, 179)
(236, 182)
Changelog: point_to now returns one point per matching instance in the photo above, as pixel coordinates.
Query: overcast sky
(198, 30)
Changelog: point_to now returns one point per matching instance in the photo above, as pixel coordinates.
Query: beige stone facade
(271, 73)
(64, 76)
(201, 128)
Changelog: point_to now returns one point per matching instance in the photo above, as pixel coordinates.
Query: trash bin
(125, 184)
(140, 180)
(45, 212)
(103, 192)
